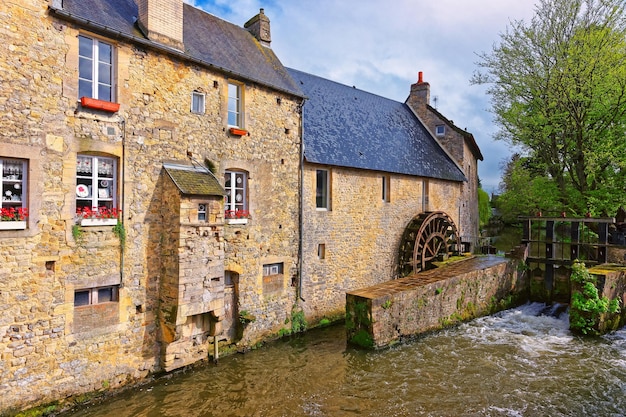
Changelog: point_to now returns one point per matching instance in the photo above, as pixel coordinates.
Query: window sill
(236, 221)
(96, 104)
(13, 225)
(98, 222)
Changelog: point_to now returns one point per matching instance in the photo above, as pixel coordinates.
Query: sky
(380, 46)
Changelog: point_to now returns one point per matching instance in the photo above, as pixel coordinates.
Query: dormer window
(440, 130)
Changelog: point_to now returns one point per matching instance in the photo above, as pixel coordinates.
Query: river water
(520, 362)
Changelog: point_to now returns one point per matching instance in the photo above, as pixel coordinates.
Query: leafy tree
(558, 88)
(484, 209)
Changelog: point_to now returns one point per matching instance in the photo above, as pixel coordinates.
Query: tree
(558, 89)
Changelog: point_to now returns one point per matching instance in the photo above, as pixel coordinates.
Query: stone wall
(361, 233)
(48, 349)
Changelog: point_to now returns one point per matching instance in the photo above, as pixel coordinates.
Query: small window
(440, 130)
(197, 102)
(322, 200)
(321, 251)
(235, 105)
(385, 188)
(96, 186)
(236, 200)
(425, 198)
(95, 69)
(202, 212)
(99, 295)
(272, 269)
(13, 183)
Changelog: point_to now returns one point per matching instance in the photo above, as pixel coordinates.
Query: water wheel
(429, 237)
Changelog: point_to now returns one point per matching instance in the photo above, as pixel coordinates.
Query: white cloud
(380, 47)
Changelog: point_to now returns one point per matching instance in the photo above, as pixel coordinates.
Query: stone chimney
(419, 97)
(162, 21)
(259, 26)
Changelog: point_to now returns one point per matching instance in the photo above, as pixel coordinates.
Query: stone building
(156, 190)
(156, 149)
(370, 167)
(462, 147)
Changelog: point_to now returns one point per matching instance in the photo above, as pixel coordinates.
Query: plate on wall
(82, 191)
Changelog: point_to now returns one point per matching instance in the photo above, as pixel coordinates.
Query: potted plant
(97, 216)
(236, 216)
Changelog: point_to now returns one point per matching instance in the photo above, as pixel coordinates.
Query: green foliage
(245, 317)
(484, 208)
(120, 232)
(324, 322)
(586, 306)
(558, 95)
(298, 322)
(77, 233)
(387, 304)
(362, 338)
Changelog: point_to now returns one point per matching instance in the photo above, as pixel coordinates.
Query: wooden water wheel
(429, 237)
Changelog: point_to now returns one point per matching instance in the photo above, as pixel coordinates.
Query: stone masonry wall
(361, 233)
(43, 356)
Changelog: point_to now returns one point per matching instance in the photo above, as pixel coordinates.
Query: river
(520, 362)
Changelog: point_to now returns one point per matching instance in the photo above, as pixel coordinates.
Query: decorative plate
(82, 191)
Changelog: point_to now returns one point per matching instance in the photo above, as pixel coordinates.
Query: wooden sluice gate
(383, 314)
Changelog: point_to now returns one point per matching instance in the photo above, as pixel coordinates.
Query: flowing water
(521, 362)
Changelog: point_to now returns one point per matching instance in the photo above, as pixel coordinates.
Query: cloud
(380, 47)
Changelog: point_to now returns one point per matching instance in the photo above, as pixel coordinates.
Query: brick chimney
(162, 21)
(259, 26)
(419, 97)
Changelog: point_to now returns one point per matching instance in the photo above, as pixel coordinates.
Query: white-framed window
(322, 195)
(235, 105)
(202, 212)
(96, 184)
(13, 183)
(272, 269)
(236, 200)
(95, 69)
(97, 295)
(197, 102)
(440, 130)
(385, 188)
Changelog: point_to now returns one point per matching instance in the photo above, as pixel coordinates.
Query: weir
(383, 314)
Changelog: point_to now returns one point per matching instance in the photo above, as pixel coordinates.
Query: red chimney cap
(419, 77)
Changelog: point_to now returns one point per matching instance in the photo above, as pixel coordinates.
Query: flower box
(98, 222)
(238, 132)
(96, 104)
(13, 225)
(236, 221)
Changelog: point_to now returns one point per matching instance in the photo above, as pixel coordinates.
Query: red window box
(96, 104)
(238, 132)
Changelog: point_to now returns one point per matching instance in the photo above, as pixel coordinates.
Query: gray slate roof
(208, 40)
(348, 127)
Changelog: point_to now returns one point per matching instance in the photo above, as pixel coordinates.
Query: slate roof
(347, 127)
(194, 181)
(208, 40)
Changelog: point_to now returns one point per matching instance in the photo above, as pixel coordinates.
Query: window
(13, 185)
(98, 295)
(321, 190)
(235, 108)
(95, 69)
(202, 212)
(236, 185)
(96, 183)
(197, 102)
(272, 269)
(385, 188)
(425, 191)
(440, 130)
(321, 251)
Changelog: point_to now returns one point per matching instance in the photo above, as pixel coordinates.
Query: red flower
(98, 213)
(12, 214)
(236, 214)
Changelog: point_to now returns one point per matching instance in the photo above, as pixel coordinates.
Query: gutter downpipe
(301, 214)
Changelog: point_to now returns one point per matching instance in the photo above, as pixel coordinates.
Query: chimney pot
(419, 77)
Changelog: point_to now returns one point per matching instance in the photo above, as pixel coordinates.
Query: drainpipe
(301, 220)
(123, 196)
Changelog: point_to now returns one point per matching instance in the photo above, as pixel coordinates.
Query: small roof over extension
(194, 180)
(347, 127)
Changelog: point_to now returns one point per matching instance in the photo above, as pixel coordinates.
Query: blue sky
(380, 46)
